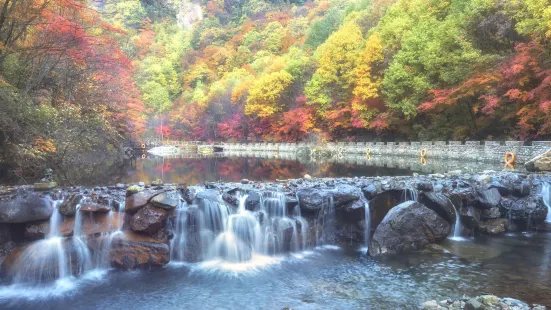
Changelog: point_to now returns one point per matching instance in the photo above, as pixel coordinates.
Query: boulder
(410, 226)
(487, 198)
(370, 191)
(93, 223)
(69, 205)
(230, 199)
(312, 199)
(94, 207)
(353, 212)
(138, 200)
(131, 251)
(187, 194)
(470, 217)
(35, 231)
(22, 208)
(149, 220)
(344, 193)
(540, 163)
(494, 226)
(424, 186)
(440, 204)
(382, 204)
(492, 213)
(167, 200)
(527, 208)
(521, 189)
(252, 202)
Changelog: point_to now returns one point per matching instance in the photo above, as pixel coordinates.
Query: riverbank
(72, 231)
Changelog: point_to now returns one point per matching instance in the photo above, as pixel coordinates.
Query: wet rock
(69, 206)
(131, 190)
(252, 202)
(488, 300)
(187, 194)
(148, 220)
(35, 231)
(231, 199)
(424, 186)
(353, 212)
(132, 251)
(494, 226)
(382, 203)
(22, 208)
(440, 204)
(312, 199)
(166, 200)
(502, 188)
(93, 223)
(470, 217)
(370, 191)
(344, 193)
(528, 208)
(492, 213)
(487, 198)
(94, 207)
(409, 226)
(521, 189)
(138, 200)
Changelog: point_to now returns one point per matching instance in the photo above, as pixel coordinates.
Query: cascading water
(546, 194)
(457, 226)
(410, 193)
(367, 226)
(82, 256)
(44, 260)
(326, 218)
(236, 235)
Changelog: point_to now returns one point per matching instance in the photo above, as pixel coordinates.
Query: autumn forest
(77, 75)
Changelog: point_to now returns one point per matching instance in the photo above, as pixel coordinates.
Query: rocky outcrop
(27, 207)
(252, 202)
(408, 227)
(148, 220)
(167, 200)
(138, 200)
(440, 204)
(540, 163)
(69, 205)
(94, 207)
(133, 251)
(313, 199)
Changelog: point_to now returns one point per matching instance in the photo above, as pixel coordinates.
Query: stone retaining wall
(482, 151)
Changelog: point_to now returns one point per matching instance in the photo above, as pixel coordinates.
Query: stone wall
(480, 151)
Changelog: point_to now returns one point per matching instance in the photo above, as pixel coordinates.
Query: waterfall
(411, 193)
(326, 218)
(546, 195)
(80, 248)
(367, 226)
(44, 260)
(178, 243)
(106, 239)
(457, 226)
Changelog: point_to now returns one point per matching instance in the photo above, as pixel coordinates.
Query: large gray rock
(252, 202)
(313, 199)
(148, 220)
(166, 200)
(487, 198)
(407, 227)
(440, 204)
(528, 208)
(136, 201)
(24, 208)
(344, 193)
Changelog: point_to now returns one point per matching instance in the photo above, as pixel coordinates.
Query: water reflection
(195, 169)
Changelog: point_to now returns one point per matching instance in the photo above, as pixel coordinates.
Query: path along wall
(486, 151)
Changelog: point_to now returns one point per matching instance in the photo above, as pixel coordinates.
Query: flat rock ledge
(482, 302)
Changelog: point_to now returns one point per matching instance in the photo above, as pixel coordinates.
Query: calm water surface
(517, 266)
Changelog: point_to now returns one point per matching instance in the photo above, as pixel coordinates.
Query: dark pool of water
(230, 169)
(517, 266)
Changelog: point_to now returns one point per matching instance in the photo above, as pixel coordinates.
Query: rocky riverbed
(482, 302)
(132, 226)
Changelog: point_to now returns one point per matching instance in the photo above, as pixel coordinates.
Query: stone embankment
(404, 213)
(486, 151)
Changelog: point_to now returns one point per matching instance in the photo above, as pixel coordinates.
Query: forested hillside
(78, 76)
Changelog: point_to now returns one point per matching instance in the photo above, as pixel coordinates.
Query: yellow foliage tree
(265, 94)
